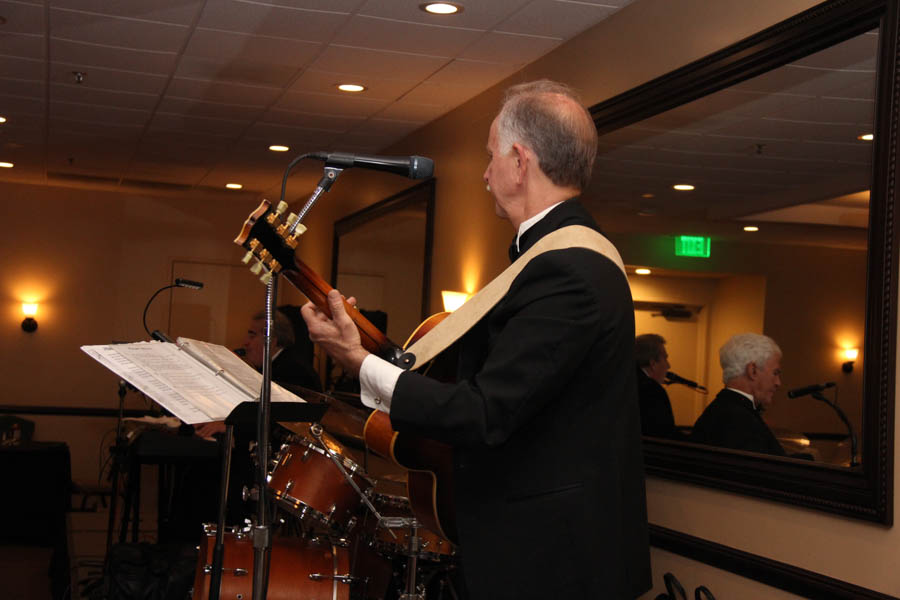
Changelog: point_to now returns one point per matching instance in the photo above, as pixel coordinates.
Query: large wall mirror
(382, 256)
(792, 132)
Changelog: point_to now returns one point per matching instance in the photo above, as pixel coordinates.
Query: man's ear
(520, 153)
(750, 370)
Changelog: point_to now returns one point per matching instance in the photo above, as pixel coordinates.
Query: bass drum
(312, 569)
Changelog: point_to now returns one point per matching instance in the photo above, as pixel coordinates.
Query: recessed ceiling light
(277, 148)
(441, 8)
(233, 186)
(648, 195)
(2, 119)
(751, 228)
(351, 87)
(642, 271)
(6, 165)
(866, 137)
(683, 187)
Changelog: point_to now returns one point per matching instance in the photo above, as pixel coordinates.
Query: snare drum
(306, 482)
(299, 568)
(427, 544)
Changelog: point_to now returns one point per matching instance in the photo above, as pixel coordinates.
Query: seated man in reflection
(751, 370)
(657, 419)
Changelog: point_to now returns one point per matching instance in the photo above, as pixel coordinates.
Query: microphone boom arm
(843, 417)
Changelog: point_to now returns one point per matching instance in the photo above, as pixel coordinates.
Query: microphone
(810, 389)
(675, 378)
(188, 283)
(414, 167)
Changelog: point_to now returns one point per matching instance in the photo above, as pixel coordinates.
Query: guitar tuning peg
(300, 230)
(247, 258)
(291, 218)
(266, 278)
(257, 268)
(282, 206)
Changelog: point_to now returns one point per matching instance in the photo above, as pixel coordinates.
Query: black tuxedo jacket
(657, 419)
(544, 423)
(731, 422)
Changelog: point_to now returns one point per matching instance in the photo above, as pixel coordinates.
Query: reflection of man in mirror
(652, 361)
(290, 364)
(543, 420)
(751, 370)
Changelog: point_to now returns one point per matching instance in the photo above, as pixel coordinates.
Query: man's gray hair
(743, 349)
(282, 329)
(648, 347)
(540, 116)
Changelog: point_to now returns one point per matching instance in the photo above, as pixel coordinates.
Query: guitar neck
(316, 289)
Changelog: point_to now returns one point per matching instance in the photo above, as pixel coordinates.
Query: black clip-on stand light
(843, 417)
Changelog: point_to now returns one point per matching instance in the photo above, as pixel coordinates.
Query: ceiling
(189, 94)
(780, 147)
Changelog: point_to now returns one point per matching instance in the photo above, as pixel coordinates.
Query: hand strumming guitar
(338, 336)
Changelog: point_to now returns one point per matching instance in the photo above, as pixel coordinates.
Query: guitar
(271, 242)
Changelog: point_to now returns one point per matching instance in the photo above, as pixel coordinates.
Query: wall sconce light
(851, 354)
(29, 309)
(453, 300)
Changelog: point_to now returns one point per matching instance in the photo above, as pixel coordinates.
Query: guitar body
(271, 243)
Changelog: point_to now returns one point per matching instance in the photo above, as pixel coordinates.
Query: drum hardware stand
(316, 430)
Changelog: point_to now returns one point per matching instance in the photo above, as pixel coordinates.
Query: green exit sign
(692, 245)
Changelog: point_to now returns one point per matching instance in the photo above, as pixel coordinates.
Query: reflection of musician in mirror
(543, 420)
(751, 370)
(657, 419)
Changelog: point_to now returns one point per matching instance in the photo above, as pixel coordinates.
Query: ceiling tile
(293, 137)
(12, 68)
(126, 59)
(325, 82)
(377, 64)
(385, 34)
(387, 128)
(472, 73)
(23, 45)
(405, 110)
(446, 96)
(26, 96)
(22, 17)
(513, 49)
(311, 121)
(83, 94)
(226, 129)
(225, 46)
(549, 18)
(99, 78)
(62, 127)
(217, 110)
(476, 15)
(118, 32)
(230, 93)
(101, 115)
(165, 172)
(270, 20)
(236, 71)
(179, 12)
(328, 104)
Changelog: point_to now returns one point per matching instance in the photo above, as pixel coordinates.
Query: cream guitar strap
(460, 321)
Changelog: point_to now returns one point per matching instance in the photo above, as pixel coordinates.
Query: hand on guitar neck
(338, 334)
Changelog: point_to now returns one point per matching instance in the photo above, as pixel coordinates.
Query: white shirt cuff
(377, 380)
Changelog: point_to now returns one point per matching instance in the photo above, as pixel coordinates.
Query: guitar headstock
(270, 240)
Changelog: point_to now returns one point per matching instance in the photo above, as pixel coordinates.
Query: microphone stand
(215, 581)
(843, 417)
(261, 532)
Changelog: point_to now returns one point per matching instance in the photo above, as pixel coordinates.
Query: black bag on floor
(150, 572)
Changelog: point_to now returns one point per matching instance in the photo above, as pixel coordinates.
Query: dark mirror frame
(422, 193)
(864, 492)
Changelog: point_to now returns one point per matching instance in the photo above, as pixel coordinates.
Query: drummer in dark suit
(543, 421)
(657, 419)
(751, 370)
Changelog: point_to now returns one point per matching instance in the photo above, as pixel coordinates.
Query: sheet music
(194, 390)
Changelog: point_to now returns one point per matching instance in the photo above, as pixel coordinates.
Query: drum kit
(344, 529)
